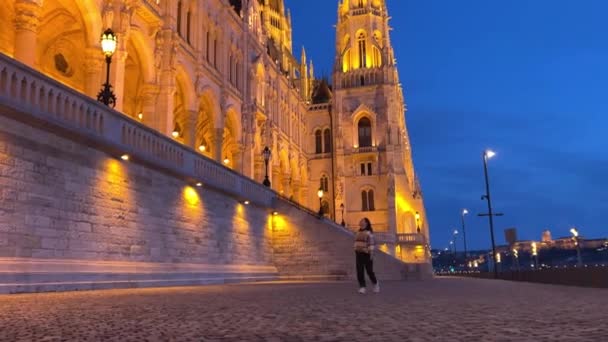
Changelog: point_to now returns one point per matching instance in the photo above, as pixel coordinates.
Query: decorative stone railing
(362, 77)
(364, 10)
(29, 96)
(411, 238)
(366, 149)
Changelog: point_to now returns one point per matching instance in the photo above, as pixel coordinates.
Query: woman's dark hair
(368, 225)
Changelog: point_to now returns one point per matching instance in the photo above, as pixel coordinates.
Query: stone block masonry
(68, 211)
(73, 215)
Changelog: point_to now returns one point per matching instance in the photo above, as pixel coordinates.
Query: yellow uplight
(191, 196)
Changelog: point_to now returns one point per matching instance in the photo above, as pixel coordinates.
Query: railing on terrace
(29, 96)
(320, 156)
(366, 149)
(362, 77)
(411, 238)
(364, 10)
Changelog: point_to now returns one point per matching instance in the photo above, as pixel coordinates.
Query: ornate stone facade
(220, 77)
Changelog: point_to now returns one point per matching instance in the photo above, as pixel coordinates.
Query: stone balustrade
(33, 97)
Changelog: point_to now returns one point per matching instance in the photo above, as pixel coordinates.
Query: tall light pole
(320, 194)
(577, 241)
(266, 154)
(464, 233)
(108, 46)
(455, 234)
(488, 154)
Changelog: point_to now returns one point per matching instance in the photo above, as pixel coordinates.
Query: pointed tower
(372, 149)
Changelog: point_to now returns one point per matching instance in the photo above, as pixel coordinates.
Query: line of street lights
(487, 155)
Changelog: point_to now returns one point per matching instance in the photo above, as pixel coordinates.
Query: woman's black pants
(364, 261)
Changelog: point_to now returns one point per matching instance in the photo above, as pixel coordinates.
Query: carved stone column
(190, 129)
(94, 68)
(27, 19)
(149, 97)
(217, 145)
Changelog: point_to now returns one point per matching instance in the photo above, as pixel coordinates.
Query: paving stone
(434, 310)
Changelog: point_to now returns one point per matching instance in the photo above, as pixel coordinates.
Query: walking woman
(364, 249)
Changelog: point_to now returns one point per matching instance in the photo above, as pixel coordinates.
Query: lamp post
(577, 241)
(418, 222)
(464, 234)
(108, 46)
(267, 154)
(535, 254)
(342, 209)
(320, 194)
(488, 154)
(455, 234)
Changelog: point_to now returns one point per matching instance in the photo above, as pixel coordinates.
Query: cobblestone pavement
(435, 310)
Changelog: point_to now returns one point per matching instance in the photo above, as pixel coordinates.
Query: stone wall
(74, 215)
(62, 201)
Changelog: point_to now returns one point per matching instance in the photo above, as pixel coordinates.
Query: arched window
(324, 183)
(365, 132)
(377, 58)
(326, 141)
(367, 200)
(208, 42)
(346, 61)
(362, 50)
(188, 25)
(318, 142)
(215, 52)
(179, 18)
(360, 3)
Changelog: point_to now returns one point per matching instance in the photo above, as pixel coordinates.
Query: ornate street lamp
(342, 208)
(108, 46)
(266, 154)
(320, 193)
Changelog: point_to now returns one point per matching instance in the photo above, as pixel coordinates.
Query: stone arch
(181, 120)
(364, 112)
(205, 123)
(368, 196)
(283, 171)
(62, 38)
(231, 138)
(139, 71)
(260, 84)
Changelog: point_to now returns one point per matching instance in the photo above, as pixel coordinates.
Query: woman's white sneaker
(377, 287)
(362, 290)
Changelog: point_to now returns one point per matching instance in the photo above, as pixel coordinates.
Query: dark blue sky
(527, 78)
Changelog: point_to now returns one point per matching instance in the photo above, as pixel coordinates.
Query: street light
(320, 194)
(417, 222)
(464, 233)
(267, 154)
(342, 208)
(535, 254)
(108, 46)
(488, 154)
(577, 241)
